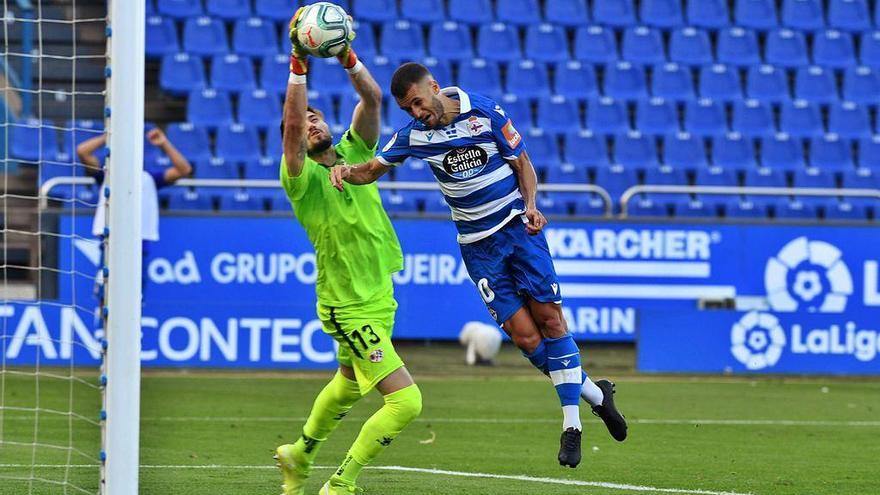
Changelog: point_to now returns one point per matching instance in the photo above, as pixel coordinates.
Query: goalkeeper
(357, 252)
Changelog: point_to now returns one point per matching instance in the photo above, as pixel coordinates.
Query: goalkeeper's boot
(614, 421)
(294, 469)
(334, 487)
(570, 448)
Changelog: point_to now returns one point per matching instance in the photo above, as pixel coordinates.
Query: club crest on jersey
(377, 356)
(511, 134)
(465, 162)
(474, 126)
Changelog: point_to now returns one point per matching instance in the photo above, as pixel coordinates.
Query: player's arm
(528, 187)
(364, 173)
(366, 117)
(180, 166)
(85, 151)
(294, 122)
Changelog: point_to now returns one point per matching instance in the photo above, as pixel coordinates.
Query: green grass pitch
(213, 433)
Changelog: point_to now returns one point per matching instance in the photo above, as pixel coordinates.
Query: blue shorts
(509, 266)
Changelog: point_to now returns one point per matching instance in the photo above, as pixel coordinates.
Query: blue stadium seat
(744, 208)
(518, 12)
(187, 199)
(150, 8)
(433, 202)
(546, 43)
(274, 71)
(616, 13)
(715, 176)
(861, 85)
(642, 45)
(476, 12)
(480, 76)
(585, 148)
(648, 207)
(374, 11)
(413, 170)
(275, 10)
(869, 152)
(366, 41)
(397, 118)
(161, 37)
(800, 118)
(209, 108)
(834, 49)
(720, 82)
(704, 117)
(635, 149)
(786, 48)
(232, 73)
(576, 81)
(690, 46)
(595, 45)
(543, 149)
(589, 205)
(423, 11)
(733, 151)
(815, 85)
(78, 131)
(528, 79)
(845, 209)
(848, 120)
(254, 37)
(519, 110)
(567, 173)
(272, 147)
(568, 13)
(764, 177)
(869, 52)
(752, 118)
(795, 209)
(402, 40)
(327, 74)
(394, 202)
(684, 150)
(192, 141)
(450, 41)
(813, 177)
(616, 179)
(239, 200)
(32, 140)
(708, 14)
(440, 69)
(782, 152)
(661, 13)
(606, 115)
(860, 178)
(672, 82)
(738, 46)
(347, 104)
(695, 208)
(550, 205)
(498, 42)
(625, 81)
(204, 36)
(265, 167)
(259, 108)
(755, 14)
(830, 152)
(767, 83)
(179, 9)
(238, 143)
(665, 175)
(849, 15)
(804, 15)
(228, 10)
(558, 115)
(382, 69)
(656, 116)
(180, 73)
(216, 168)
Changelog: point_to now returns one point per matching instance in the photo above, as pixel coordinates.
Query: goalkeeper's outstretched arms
(293, 121)
(365, 119)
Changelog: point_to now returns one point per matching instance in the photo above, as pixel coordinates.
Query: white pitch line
(444, 472)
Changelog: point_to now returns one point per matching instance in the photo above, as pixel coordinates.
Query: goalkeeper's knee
(406, 403)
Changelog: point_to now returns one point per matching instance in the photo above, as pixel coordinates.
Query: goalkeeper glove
(347, 57)
(299, 64)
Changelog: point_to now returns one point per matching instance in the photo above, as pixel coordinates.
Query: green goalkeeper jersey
(355, 245)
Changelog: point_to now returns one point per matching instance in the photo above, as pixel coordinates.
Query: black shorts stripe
(342, 334)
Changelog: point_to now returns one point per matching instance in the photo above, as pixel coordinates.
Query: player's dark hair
(308, 109)
(405, 76)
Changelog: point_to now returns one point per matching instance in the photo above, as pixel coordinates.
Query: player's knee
(552, 326)
(409, 402)
(527, 342)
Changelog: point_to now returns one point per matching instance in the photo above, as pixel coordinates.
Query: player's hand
(347, 57)
(536, 221)
(157, 137)
(338, 174)
(299, 63)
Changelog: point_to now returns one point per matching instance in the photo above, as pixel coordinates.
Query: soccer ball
(324, 29)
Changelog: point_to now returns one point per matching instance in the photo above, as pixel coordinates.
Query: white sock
(571, 418)
(592, 393)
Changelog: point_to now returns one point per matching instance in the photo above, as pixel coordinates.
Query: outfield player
(357, 252)
(484, 172)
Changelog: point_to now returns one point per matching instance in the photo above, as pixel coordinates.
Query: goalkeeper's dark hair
(405, 76)
(308, 109)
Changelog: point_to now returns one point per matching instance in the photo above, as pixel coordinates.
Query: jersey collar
(463, 98)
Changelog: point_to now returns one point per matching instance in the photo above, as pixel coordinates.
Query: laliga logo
(808, 274)
(757, 340)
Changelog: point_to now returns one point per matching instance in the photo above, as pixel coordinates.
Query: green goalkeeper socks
(331, 405)
(400, 409)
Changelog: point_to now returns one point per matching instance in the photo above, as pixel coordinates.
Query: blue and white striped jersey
(468, 158)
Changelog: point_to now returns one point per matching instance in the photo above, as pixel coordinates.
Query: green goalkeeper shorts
(363, 333)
